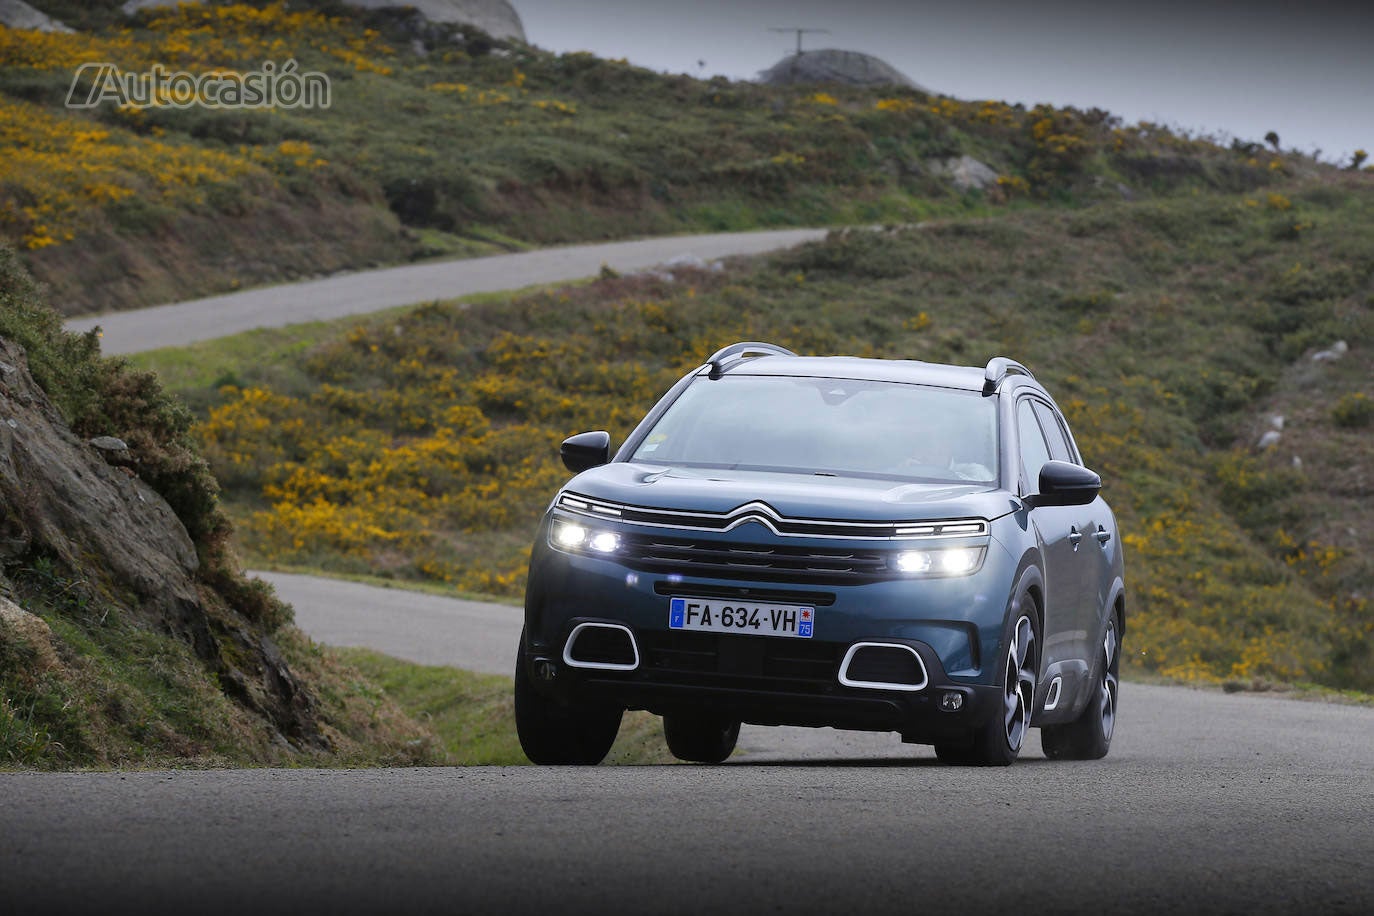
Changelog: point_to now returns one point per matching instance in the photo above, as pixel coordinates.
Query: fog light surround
(951, 701)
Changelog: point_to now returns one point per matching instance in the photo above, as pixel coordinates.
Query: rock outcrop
(965, 172)
(495, 17)
(845, 68)
(19, 15)
(64, 501)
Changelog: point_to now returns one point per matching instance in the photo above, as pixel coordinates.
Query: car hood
(790, 495)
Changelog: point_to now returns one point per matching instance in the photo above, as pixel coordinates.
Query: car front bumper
(953, 624)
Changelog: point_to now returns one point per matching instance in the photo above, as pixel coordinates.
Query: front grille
(758, 562)
(756, 662)
(753, 595)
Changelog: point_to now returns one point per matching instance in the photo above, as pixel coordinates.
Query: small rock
(1297, 463)
(1276, 421)
(110, 444)
(32, 631)
(685, 260)
(1269, 440)
(1331, 353)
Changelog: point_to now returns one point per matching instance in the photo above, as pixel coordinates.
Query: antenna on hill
(800, 33)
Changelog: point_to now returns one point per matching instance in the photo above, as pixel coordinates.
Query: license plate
(716, 616)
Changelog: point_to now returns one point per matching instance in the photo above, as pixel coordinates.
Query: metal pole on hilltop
(800, 33)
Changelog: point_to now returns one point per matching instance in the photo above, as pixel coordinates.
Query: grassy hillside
(439, 142)
(97, 666)
(422, 444)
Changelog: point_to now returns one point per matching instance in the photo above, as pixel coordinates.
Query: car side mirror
(1063, 483)
(586, 450)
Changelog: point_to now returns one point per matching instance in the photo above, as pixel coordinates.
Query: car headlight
(572, 536)
(946, 561)
(566, 534)
(604, 542)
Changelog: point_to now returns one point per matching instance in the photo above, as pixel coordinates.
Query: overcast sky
(1235, 68)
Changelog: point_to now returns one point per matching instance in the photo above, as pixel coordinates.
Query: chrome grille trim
(772, 520)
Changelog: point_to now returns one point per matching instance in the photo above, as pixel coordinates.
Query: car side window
(1034, 451)
(1054, 433)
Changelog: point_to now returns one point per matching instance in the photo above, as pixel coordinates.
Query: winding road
(358, 293)
(1208, 803)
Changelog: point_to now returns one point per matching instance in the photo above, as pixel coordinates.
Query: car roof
(910, 371)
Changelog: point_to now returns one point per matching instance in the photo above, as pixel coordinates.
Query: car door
(1085, 531)
(1062, 639)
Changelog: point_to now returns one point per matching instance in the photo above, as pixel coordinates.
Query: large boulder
(495, 17)
(845, 68)
(19, 15)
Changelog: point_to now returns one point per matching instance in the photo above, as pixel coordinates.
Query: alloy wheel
(1020, 683)
(1108, 690)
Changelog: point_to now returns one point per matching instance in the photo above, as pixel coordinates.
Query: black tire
(554, 733)
(1089, 737)
(700, 738)
(956, 754)
(998, 742)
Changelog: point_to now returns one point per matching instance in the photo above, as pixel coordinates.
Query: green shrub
(1354, 410)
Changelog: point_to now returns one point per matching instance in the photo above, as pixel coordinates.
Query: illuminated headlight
(950, 561)
(571, 536)
(605, 542)
(566, 534)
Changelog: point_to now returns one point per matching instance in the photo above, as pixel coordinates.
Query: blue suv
(871, 544)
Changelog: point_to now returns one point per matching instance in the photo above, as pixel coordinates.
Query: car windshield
(841, 427)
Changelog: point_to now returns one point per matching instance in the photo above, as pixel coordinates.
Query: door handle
(1103, 535)
(1075, 536)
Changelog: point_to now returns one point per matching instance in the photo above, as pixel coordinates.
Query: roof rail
(743, 350)
(999, 367)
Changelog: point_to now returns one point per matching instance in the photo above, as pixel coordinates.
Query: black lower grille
(757, 562)
(602, 646)
(754, 661)
(885, 665)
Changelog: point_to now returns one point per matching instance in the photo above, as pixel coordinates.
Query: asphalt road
(1208, 803)
(370, 291)
(1183, 817)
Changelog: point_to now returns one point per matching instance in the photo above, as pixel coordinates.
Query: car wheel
(554, 733)
(700, 738)
(998, 742)
(1089, 737)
